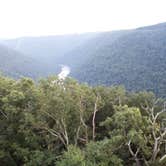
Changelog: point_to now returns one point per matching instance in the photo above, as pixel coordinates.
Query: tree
(73, 157)
(139, 133)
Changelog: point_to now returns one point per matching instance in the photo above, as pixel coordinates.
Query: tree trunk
(93, 120)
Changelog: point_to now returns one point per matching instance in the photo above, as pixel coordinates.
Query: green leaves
(48, 123)
(72, 157)
(102, 153)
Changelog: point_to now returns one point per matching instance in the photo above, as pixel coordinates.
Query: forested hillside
(134, 58)
(49, 50)
(16, 64)
(64, 123)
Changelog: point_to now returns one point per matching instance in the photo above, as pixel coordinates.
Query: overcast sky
(50, 17)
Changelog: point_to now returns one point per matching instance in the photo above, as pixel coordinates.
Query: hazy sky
(49, 17)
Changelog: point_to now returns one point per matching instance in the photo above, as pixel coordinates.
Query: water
(65, 71)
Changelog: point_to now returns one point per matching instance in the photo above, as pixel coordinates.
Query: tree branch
(94, 116)
(134, 154)
(3, 114)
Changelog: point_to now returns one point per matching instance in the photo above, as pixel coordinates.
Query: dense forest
(16, 64)
(134, 58)
(64, 123)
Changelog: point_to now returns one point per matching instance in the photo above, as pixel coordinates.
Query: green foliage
(66, 123)
(102, 153)
(73, 157)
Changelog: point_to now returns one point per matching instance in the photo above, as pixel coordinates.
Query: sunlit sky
(50, 17)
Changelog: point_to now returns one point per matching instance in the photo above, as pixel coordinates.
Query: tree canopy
(50, 122)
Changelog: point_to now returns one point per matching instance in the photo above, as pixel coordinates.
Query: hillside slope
(49, 50)
(135, 58)
(16, 64)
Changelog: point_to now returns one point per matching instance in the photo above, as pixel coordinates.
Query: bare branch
(77, 135)
(164, 133)
(134, 154)
(56, 134)
(164, 110)
(3, 114)
(49, 115)
(94, 116)
(131, 151)
(82, 120)
(162, 158)
(65, 134)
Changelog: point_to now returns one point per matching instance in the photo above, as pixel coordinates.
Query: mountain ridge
(135, 58)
